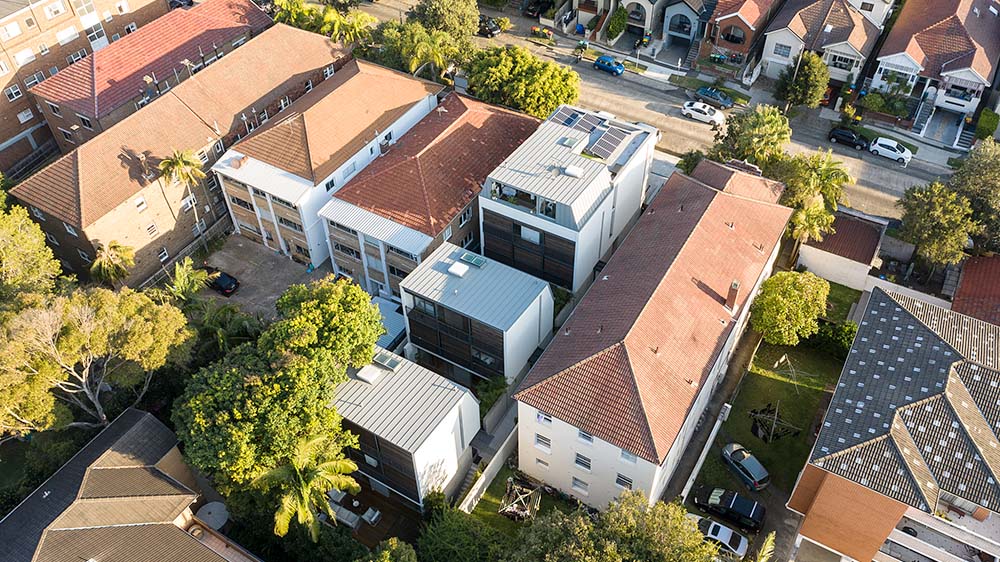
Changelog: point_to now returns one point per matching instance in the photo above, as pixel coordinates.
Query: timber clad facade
(539, 253)
(459, 339)
(383, 461)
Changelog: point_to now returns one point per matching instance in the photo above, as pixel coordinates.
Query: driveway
(264, 275)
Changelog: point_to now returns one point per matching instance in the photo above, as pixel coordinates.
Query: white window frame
(10, 31)
(122, 6)
(581, 486)
(584, 437)
(84, 7)
(4, 69)
(13, 93)
(24, 56)
(784, 47)
(54, 109)
(83, 256)
(328, 72)
(624, 482)
(51, 239)
(468, 239)
(43, 49)
(163, 255)
(140, 204)
(55, 9)
(67, 35)
(34, 79)
(629, 457)
(86, 122)
(76, 57)
(131, 28)
(67, 135)
(543, 443)
(448, 232)
(152, 230)
(37, 213)
(465, 217)
(70, 230)
(25, 116)
(583, 462)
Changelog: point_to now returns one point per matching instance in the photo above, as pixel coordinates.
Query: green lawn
(796, 388)
(838, 304)
(12, 462)
(871, 134)
(694, 83)
(486, 509)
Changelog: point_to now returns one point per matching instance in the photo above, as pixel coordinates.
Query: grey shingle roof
(916, 410)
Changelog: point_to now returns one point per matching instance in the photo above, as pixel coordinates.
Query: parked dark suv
(536, 8)
(727, 504)
(845, 136)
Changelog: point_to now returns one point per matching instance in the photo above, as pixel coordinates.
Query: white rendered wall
(437, 460)
(527, 333)
(834, 268)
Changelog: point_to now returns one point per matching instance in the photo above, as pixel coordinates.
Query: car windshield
(739, 454)
(734, 542)
(704, 525)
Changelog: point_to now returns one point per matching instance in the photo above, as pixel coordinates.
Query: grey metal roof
(539, 165)
(375, 226)
(402, 406)
(8, 7)
(65, 501)
(494, 294)
(392, 319)
(917, 408)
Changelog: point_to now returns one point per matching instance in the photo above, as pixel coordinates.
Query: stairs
(966, 139)
(692, 55)
(924, 113)
(470, 478)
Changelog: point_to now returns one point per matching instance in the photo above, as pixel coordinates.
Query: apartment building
(421, 192)
(613, 401)
(126, 495)
(414, 428)
(557, 205)
(40, 38)
(842, 32)
(944, 52)
(475, 316)
(83, 100)
(905, 465)
(277, 179)
(110, 188)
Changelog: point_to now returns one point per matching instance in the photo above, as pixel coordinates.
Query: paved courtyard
(263, 274)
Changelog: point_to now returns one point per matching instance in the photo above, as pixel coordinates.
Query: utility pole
(798, 62)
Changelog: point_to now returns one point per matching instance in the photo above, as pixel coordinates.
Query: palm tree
(810, 222)
(829, 177)
(112, 262)
(303, 483)
(766, 550)
(429, 49)
(294, 13)
(349, 29)
(221, 327)
(187, 281)
(185, 168)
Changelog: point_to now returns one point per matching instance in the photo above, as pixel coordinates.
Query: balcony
(960, 538)
(513, 197)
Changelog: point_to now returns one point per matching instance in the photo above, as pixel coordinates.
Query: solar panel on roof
(588, 123)
(608, 143)
(565, 115)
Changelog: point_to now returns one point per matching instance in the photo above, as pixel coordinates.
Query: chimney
(733, 296)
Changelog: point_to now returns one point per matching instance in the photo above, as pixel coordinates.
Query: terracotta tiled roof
(978, 293)
(753, 11)
(439, 165)
(115, 74)
(330, 124)
(809, 19)
(733, 181)
(628, 364)
(853, 238)
(89, 182)
(947, 35)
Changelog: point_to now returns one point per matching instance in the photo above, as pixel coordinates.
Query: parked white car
(703, 112)
(890, 149)
(728, 540)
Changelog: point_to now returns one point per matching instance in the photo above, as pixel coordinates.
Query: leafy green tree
(977, 180)
(391, 550)
(458, 18)
(184, 167)
(658, 533)
(514, 77)
(562, 537)
(454, 535)
(81, 347)
(303, 480)
(789, 306)
(432, 49)
(690, 160)
(938, 222)
(242, 416)
(757, 135)
(221, 328)
(811, 221)
(28, 270)
(808, 176)
(805, 82)
(617, 22)
(112, 263)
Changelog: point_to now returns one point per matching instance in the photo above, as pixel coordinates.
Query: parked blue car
(609, 65)
(746, 466)
(714, 96)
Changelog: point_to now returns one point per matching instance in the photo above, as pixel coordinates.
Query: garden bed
(693, 84)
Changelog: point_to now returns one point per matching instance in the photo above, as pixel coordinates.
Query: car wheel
(875, 152)
(901, 160)
(833, 140)
(596, 67)
(858, 146)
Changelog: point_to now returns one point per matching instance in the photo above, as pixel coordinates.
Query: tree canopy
(789, 306)
(87, 348)
(977, 180)
(28, 270)
(514, 77)
(805, 86)
(938, 222)
(457, 18)
(391, 550)
(240, 417)
(454, 535)
(757, 135)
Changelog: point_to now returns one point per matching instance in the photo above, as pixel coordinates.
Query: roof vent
(828, 28)
(573, 171)
(368, 374)
(458, 269)
(239, 162)
(731, 225)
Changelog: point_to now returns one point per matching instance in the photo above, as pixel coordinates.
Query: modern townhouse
(468, 315)
(40, 38)
(110, 187)
(905, 466)
(126, 495)
(842, 32)
(685, 22)
(277, 179)
(558, 204)
(978, 291)
(943, 52)
(420, 192)
(613, 401)
(414, 427)
(736, 27)
(83, 100)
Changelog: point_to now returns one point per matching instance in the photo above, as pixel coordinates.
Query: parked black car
(223, 283)
(488, 26)
(537, 8)
(845, 136)
(727, 504)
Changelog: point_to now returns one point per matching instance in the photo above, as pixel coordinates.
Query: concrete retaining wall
(478, 488)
